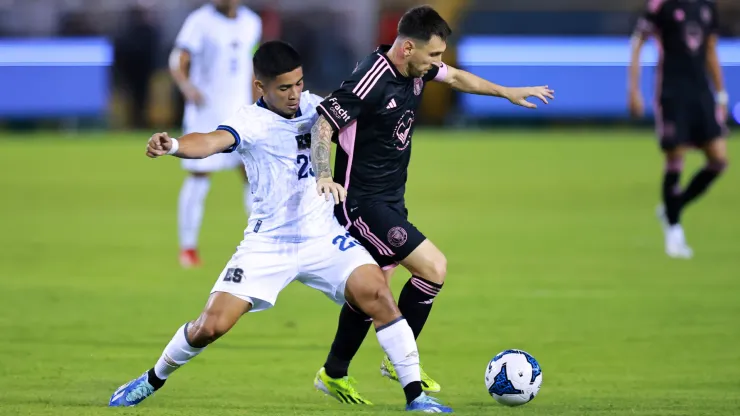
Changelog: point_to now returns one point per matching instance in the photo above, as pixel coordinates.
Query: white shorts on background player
(221, 68)
(292, 234)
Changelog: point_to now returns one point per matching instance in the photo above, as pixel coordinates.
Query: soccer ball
(513, 377)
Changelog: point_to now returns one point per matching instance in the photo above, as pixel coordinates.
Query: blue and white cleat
(132, 393)
(427, 404)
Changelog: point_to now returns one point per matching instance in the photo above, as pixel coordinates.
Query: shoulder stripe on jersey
(368, 81)
(237, 138)
(376, 78)
(365, 90)
(366, 77)
(388, 62)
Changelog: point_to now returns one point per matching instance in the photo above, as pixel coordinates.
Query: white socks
(176, 354)
(190, 209)
(397, 340)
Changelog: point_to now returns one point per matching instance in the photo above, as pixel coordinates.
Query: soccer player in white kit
(211, 64)
(292, 233)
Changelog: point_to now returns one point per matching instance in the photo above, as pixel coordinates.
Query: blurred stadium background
(104, 63)
(546, 218)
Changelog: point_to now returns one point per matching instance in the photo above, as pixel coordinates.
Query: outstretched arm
(464, 81)
(321, 134)
(191, 146)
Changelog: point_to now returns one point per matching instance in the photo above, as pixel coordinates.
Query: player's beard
(418, 74)
(415, 72)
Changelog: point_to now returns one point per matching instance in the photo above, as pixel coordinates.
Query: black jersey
(374, 111)
(681, 28)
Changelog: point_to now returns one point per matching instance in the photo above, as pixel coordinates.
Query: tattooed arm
(321, 148)
(321, 134)
(337, 111)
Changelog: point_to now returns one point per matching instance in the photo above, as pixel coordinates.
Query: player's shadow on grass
(246, 346)
(52, 402)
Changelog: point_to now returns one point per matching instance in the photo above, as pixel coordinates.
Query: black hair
(423, 22)
(274, 58)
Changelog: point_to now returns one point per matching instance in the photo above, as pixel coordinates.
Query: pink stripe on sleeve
(442, 74)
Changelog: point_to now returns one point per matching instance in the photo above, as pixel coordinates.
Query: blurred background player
(373, 113)
(691, 102)
(211, 64)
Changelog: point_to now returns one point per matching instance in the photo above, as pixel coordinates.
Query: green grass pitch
(552, 244)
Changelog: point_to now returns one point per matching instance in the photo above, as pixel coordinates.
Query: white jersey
(221, 52)
(277, 155)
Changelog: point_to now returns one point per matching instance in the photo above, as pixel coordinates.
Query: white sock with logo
(397, 340)
(176, 354)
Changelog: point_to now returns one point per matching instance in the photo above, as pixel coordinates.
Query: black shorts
(382, 228)
(688, 121)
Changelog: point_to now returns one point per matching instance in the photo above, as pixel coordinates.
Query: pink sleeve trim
(442, 74)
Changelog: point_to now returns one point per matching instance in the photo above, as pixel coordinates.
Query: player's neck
(395, 54)
(227, 11)
(263, 103)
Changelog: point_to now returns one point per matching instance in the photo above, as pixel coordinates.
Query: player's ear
(408, 47)
(260, 86)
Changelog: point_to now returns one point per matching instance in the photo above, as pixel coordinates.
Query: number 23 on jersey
(304, 161)
(304, 166)
(345, 242)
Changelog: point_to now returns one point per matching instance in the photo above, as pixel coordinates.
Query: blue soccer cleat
(427, 404)
(132, 393)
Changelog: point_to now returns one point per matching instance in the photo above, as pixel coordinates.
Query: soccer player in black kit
(690, 110)
(372, 116)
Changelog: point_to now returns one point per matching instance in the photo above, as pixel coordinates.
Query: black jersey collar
(382, 50)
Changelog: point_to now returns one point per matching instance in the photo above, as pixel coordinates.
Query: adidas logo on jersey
(391, 104)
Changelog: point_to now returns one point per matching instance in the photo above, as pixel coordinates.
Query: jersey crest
(403, 129)
(304, 141)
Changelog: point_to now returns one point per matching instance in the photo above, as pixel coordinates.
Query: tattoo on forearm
(321, 148)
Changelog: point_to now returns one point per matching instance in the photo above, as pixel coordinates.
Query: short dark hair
(422, 23)
(274, 58)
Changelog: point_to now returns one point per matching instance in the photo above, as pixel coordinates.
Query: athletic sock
(397, 340)
(415, 302)
(176, 354)
(351, 331)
